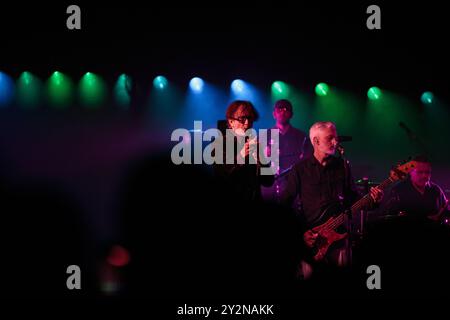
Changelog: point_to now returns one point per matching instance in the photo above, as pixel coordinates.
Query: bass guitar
(326, 233)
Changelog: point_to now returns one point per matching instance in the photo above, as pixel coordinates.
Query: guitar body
(335, 217)
(326, 237)
(326, 232)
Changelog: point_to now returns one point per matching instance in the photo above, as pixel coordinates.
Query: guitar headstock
(401, 170)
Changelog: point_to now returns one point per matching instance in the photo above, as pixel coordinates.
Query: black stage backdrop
(96, 187)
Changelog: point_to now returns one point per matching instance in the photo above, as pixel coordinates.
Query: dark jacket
(242, 180)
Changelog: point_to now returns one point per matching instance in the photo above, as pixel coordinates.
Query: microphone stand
(414, 138)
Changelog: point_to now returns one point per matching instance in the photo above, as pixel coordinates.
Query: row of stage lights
(93, 90)
(322, 89)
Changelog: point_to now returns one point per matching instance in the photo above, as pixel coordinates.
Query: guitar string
(335, 222)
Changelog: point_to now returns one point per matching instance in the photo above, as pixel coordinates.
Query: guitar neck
(364, 202)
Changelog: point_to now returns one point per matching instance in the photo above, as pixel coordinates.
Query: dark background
(76, 182)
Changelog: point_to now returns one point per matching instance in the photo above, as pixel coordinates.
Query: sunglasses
(242, 119)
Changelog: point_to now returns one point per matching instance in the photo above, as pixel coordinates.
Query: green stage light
(374, 93)
(59, 89)
(122, 91)
(92, 90)
(280, 90)
(322, 89)
(279, 87)
(28, 90)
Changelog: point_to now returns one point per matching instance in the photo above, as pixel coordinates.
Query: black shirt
(242, 180)
(404, 197)
(291, 145)
(319, 187)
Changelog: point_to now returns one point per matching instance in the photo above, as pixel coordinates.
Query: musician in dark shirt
(417, 197)
(293, 145)
(323, 180)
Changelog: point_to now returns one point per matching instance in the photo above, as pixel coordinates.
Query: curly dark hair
(248, 106)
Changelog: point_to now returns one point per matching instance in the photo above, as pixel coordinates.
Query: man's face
(326, 141)
(241, 121)
(282, 115)
(421, 174)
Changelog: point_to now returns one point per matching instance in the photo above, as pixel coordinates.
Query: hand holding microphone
(250, 148)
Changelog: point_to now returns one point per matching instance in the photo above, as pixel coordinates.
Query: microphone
(408, 131)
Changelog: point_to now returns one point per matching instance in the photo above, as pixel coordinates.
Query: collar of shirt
(312, 161)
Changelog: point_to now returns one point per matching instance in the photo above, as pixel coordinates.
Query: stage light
(92, 89)
(427, 97)
(279, 87)
(280, 90)
(237, 86)
(118, 256)
(28, 90)
(196, 84)
(160, 82)
(122, 90)
(6, 89)
(322, 89)
(60, 89)
(374, 93)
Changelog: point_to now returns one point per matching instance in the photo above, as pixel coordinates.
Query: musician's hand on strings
(310, 238)
(376, 194)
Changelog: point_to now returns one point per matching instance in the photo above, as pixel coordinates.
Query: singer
(242, 176)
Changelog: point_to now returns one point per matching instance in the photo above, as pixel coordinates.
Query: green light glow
(280, 90)
(28, 90)
(322, 89)
(59, 90)
(122, 91)
(374, 93)
(92, 90)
